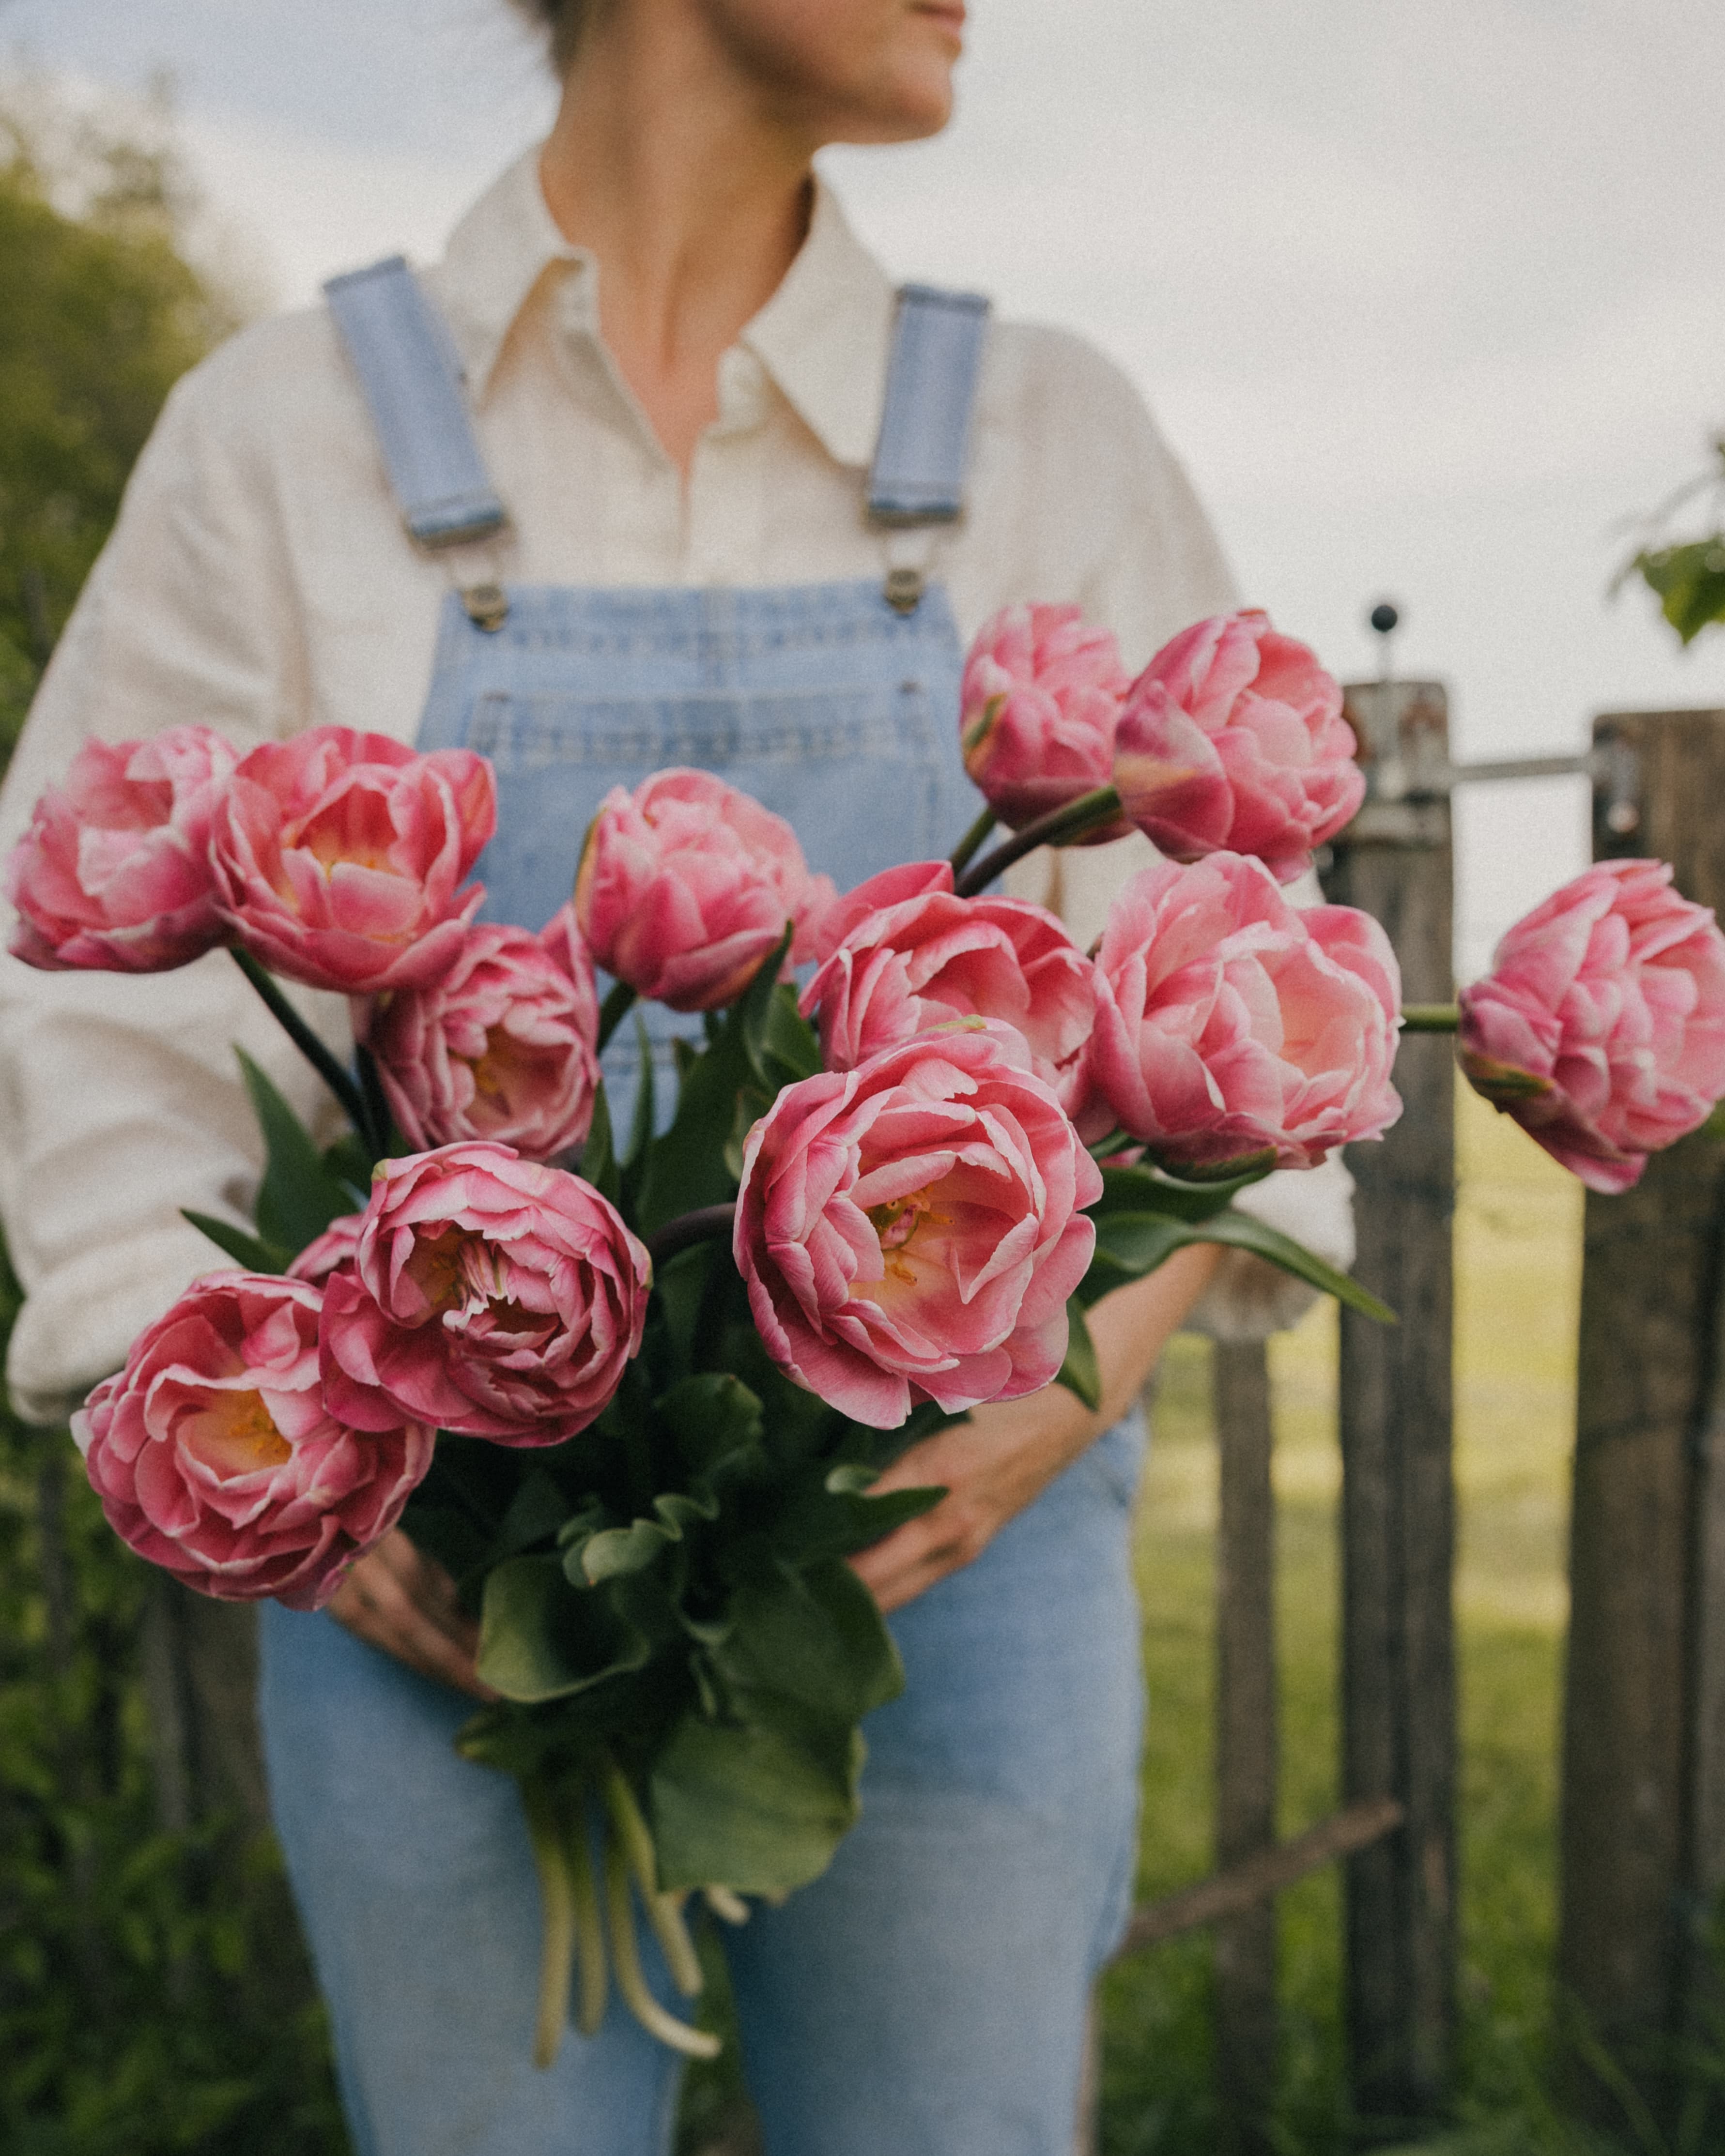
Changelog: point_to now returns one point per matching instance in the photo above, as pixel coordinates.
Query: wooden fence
(1643, 1804)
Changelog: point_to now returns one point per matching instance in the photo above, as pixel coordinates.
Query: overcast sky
(1428, 293)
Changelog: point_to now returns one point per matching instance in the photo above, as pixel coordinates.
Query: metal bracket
(1403, 749)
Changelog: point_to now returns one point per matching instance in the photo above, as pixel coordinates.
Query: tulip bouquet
(632, 1381)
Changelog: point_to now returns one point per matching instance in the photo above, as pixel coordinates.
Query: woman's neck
(693, 198)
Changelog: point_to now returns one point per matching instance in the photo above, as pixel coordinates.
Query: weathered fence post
(1245, 1744)
(1644, 1746)
(1398, 1676)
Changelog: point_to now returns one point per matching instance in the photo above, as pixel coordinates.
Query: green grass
(1518, 1277)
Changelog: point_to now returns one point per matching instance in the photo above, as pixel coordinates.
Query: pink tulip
(217, 1456)
(488, 1295)
(912, 1229)
(114, 873)
(1039, 702)
(928, 959)
(1601, 1025)
(1231, 1026)
(329, 1252)
(685, 885)
(1233, 737)
(909, 879)
(500, 1047)
(340, 857)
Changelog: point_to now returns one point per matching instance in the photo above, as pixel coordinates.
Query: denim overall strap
(924, 444)
(411, 376)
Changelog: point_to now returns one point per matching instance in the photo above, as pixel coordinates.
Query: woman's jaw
(823, 70)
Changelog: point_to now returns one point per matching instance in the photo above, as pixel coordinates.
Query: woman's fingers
(396, 1599)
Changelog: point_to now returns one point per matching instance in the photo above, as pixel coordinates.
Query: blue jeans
(925, 1997)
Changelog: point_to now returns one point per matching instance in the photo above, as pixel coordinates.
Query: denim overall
(926, 1997)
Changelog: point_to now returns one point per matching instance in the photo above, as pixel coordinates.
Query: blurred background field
(1517, 1258)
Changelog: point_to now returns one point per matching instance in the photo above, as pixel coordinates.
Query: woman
(637, 533)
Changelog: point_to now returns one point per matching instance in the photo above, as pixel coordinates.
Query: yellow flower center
(438, 1268)
(236, 1435)
(896, 1224)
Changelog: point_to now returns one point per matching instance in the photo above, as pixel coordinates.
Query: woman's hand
(399, 1599)
(1006, 1455)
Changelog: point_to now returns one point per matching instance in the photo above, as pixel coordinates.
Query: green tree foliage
(1688, 577)
(153, 1994)
(102, 314)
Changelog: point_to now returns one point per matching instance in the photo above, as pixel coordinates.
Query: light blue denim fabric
(831, 709)
(926, 1996)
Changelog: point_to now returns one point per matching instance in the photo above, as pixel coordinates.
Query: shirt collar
(823, 337)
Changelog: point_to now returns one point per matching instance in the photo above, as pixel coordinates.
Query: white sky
(1429, 294)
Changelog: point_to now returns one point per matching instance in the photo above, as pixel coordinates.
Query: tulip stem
(1430, 1018)
(707, 1224)
(377, 1100)
(969, 846)
(339, 1081)
(557, 1908)
(589, 1925)
(664, 1910)
(1060, 827)
(619, 1000)
(625, 1956)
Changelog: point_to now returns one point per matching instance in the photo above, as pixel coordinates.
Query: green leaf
(349, 1162)
(299, 1195)
(1130, 1244)
(1690, 582)
(790, 1049)
(536, 1512)
(620, 1001)
(646, 1112)
(813, 1634)
(836, 1518)
(613, 1550)
(598, 1158)
(541, 1638)
(715, 1422)
(687, 1167)
(758, 1805)
(1244, 1233)
(754, 1011)
(1153, 1190)
(1081, 1372)
(1137, 1243)
(256, 1255)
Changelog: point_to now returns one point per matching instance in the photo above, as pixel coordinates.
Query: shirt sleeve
(1158, 566)
(119, 1095)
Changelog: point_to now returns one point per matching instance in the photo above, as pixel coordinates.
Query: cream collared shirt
(259, 582)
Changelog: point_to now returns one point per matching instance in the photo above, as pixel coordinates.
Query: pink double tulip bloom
(1233, 738)
(486, 1295)
(1601, 1026)
(329, 1252)
(1231, 1026)
(906, 967)
(340, 857)
(502, 1047)
(1040, 699)
(114, 873)
(911, 1231)
(216, 1455)
(687, 884)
